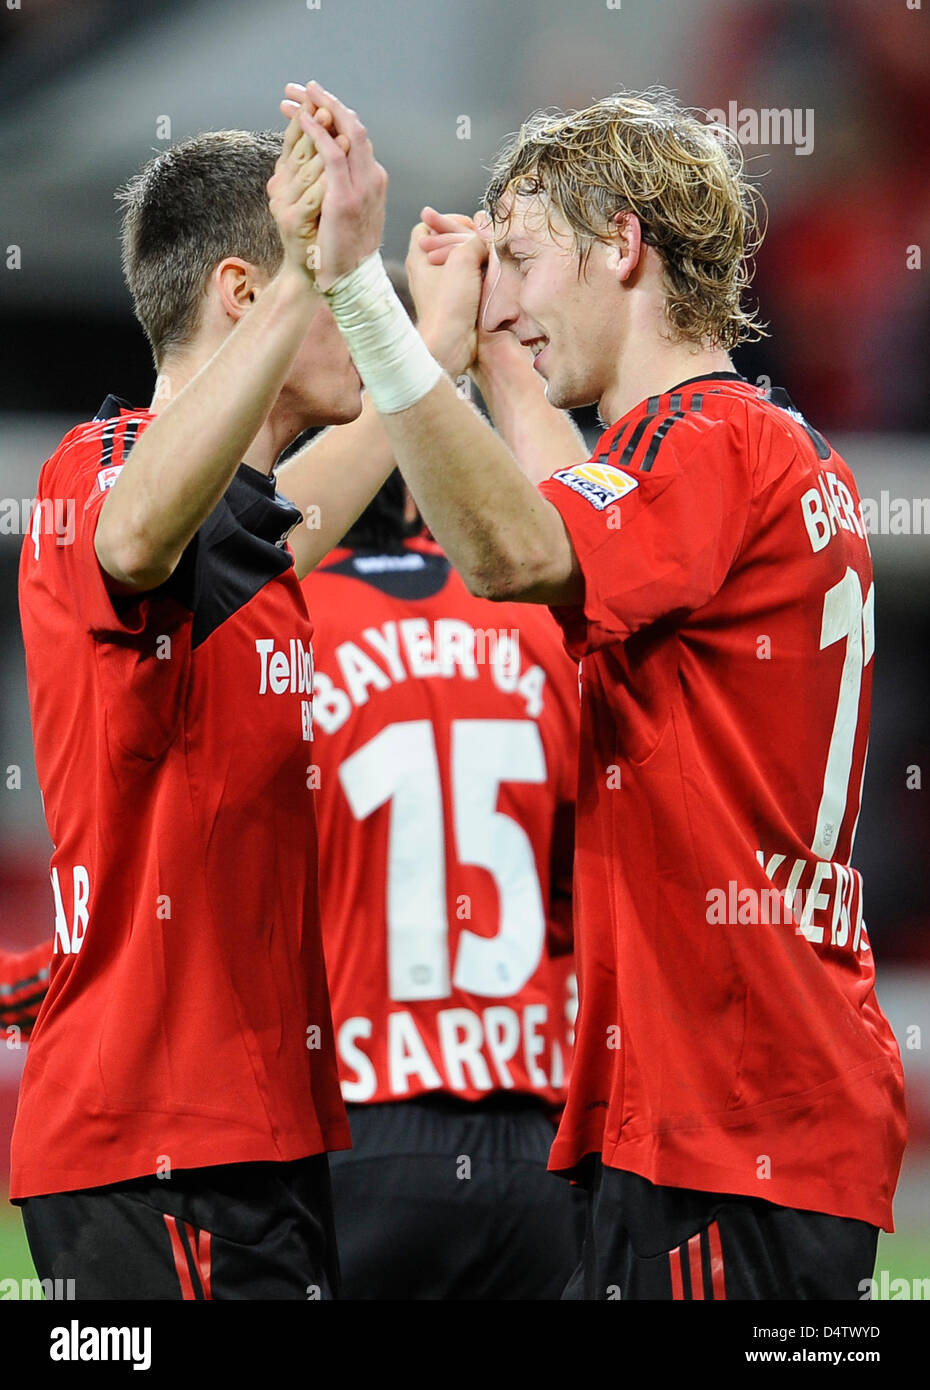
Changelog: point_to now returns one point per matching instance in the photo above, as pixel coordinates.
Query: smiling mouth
(535, 345)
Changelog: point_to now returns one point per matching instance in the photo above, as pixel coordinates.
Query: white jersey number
(400, 765)
(850, 618)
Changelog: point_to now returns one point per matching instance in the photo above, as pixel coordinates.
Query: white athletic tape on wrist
(392, 359)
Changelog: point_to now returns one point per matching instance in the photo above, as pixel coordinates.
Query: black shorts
(648, 1242)
(446, 1199)
(235, 1231)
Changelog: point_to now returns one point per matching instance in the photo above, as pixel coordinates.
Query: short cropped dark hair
(183, 212)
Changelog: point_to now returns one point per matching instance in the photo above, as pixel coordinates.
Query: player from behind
(181, 1088)
(736, 1103)
(446, 739)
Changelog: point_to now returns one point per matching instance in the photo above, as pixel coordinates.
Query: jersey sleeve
(654, 543)
(72, 494)
(141, 642)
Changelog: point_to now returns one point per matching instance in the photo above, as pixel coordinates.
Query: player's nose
(501, 307)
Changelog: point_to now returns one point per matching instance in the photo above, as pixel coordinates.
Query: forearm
(332, 481)
(186, 458)
(540, 437)
(503, 537)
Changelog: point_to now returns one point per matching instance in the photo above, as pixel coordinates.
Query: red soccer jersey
(187, 1018)
(729, 1038)
(446, 740)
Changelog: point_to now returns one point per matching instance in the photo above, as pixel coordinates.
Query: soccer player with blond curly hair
(736, 1104)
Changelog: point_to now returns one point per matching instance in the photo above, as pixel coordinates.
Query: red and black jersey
(446, 743)
(729, 1037)
(187, 1018)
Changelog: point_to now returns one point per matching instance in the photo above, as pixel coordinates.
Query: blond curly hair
(683, 178)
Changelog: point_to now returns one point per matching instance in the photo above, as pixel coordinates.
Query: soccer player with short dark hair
(736, 1104)
(181, 1088)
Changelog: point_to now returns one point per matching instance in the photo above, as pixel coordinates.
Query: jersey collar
(114, 405)
(710, 376)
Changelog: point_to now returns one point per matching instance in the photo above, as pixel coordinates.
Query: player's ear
(624, 254)
(237, 285)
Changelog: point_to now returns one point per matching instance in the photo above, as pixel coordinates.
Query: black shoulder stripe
(634, 439)
(695, 405)
(608, 454)
(115, 430)
(129, 438)
(109, 433)
(663, 429)
(624, 458)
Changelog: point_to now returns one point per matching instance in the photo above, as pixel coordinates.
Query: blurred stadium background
(88, 92)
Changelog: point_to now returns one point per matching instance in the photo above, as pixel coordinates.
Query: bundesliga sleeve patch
(106, 477)
(597, 483)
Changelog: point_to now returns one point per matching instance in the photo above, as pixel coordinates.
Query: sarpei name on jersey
(414, 648)
(496, 1049)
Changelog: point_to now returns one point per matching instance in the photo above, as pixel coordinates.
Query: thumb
(420, 230)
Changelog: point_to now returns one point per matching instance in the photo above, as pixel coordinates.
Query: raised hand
(296, 188)
(349, 187)
(446, 263)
